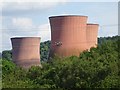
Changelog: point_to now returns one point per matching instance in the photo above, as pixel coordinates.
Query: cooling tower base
(65, 52)
(28, 63)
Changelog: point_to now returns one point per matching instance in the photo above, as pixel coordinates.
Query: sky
(22, 19)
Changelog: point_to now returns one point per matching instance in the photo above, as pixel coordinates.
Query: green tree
(7, 54)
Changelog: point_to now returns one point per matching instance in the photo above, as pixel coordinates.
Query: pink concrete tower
(68, 35)
(92, 33)
(26, 51)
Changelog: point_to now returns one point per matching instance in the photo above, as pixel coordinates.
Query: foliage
(0, 55)
(7, 54)
(7, 66)
(44, 50)
(97, 68)
(104, 39)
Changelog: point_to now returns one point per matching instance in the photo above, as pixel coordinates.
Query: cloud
(19, 8)
(22, 26)
(94, 1)
(25, 27)
(44, 32)
(22, 22)
(6, 43)
(1, 19)
(0, 33)
(108, 31)
(35, 0)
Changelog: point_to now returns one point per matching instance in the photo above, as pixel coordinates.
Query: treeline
(45, 48)
(97, 68)
(104, 39)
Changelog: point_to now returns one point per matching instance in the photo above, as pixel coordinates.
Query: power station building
(71, 35)
(26, 51)
(91, 34)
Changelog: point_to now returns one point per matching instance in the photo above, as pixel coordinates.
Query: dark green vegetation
(97, 68)
(7, 54)
(0, 55)
(44, 50)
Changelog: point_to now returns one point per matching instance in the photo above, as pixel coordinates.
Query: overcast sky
(31, 18)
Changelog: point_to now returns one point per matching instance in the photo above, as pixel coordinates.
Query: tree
(7, 54)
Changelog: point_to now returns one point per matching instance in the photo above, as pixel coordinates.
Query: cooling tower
(91, 33)
(26, 51)
(68, 35)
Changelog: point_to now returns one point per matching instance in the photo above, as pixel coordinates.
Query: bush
(7, 66)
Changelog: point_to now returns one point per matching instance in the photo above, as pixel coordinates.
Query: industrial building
(26, 51)
(71, 35)
(91, 34)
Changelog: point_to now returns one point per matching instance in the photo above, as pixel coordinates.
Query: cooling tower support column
(92, 32)
(26, 51)
(68, 35)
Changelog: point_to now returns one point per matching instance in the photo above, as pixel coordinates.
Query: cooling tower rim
(92, 24)
(26, 37)
(68, 16)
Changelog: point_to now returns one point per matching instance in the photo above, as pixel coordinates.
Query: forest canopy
(97, 68)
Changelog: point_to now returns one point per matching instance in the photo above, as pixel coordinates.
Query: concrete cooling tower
(26, 51)
(68, 35)
(91, 33)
